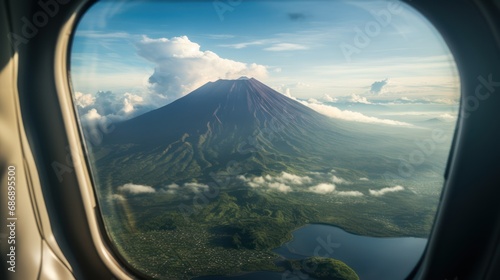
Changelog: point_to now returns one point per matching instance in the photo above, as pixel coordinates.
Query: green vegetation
(254, 220)
(323, 268)
(235, 231)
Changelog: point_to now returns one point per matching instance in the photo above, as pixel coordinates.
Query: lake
(372, 258)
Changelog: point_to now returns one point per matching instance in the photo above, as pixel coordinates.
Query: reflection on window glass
(265, 140)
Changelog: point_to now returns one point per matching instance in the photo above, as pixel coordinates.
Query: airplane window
(233, 139)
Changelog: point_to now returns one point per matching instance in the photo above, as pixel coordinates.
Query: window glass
(265, 139)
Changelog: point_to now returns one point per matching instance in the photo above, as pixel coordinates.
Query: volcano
(224, 122)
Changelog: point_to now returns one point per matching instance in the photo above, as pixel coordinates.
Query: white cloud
(195, 187)
(83, 100)
(364, 179)
(129, 101)
(447, 117)
(338, 180)
(359, 99)
(280, 187)
(285, 47)
(259, 180)
(328, 98)
(292, 179)
(245, 44)
(329, 188)
(336, 113)
(98, 111)
(110, 107)
(280, 183)
(91, 115)
(313, 100)
(256, 182)
(181, 66)
(286, 182)
(171, 188)
(94, 126)
(386, 190)
(349, 193)
(323, 188)
(135, 189)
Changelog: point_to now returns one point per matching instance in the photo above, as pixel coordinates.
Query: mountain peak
(242, 78)
(222, 107)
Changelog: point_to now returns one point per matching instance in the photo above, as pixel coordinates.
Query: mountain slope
(220, 123)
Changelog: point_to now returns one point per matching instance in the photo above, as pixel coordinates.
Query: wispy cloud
(349, 193)
(245, 44)
(386, 190)
(92, 34)
(415, 77)
(220, 36)
(285, 47)
(336, 113)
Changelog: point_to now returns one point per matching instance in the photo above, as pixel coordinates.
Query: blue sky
(325, 50)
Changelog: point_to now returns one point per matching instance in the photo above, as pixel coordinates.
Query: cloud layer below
(322, 183)
(336, 113)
